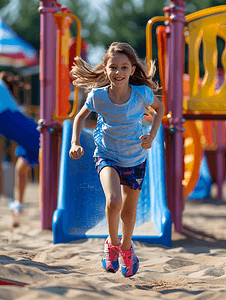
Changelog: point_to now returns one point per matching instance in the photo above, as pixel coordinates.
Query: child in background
(25, 162)
(21, 174)
(27, 159)
(120, 90)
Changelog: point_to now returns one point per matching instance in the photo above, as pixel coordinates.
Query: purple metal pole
(47, 100)
(169, 162)
(220, 148)
(169, 155)
(220, 159)
(177, 12)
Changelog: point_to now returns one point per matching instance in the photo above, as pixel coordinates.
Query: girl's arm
(76, 150)
(147, 139)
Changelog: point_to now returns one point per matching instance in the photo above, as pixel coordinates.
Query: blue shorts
(133, 177)
(30, 157)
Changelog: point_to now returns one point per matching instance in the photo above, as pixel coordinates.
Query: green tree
(27, 21)
(3, 3)
(127, 20)
(24, 18)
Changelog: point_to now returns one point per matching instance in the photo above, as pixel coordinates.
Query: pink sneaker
(130, 262)
(111, 254)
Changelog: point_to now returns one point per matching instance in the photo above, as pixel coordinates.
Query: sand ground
(194, 268)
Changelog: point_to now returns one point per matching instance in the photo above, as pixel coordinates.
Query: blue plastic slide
(80, 212)
(14, 125)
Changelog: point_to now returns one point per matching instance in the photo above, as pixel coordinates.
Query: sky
(96, 53)
(12, 7)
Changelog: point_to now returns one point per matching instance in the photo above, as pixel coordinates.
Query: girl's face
(119, 69)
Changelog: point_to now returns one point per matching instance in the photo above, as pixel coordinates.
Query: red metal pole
(176, 71)
(47, 102)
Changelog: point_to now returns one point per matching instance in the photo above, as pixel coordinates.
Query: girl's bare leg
(111, 185)
(128, 214)
(21, 172)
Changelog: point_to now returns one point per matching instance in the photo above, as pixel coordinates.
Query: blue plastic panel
(204, 182)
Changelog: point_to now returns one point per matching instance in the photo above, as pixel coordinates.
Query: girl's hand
(147, 140)
(76, 151)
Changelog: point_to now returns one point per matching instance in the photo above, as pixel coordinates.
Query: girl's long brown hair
(87, 76)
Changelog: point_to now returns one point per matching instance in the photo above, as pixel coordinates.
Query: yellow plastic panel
(206, 30)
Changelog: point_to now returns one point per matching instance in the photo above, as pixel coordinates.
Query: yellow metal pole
(149, 27)
(205, 12)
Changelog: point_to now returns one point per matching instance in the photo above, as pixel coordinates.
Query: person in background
(25, 162)
(26, 159)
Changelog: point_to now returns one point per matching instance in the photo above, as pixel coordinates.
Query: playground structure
(205, 102)
(76, 181)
